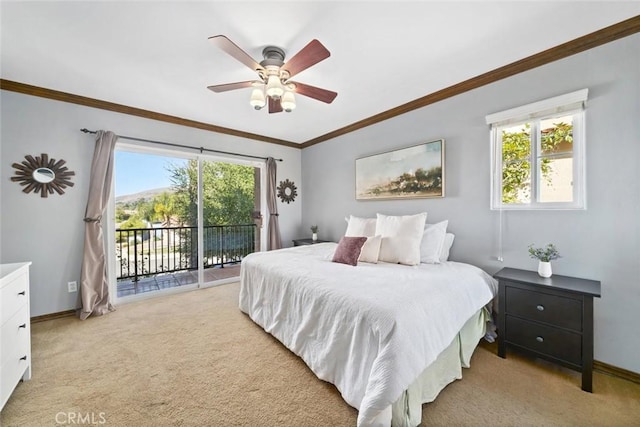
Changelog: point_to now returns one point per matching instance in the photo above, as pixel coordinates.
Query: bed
(389, 337)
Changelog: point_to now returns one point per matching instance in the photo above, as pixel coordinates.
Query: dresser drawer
(563, 345)
(14, 296)
(552, 309)
(14, 336)
(11, 372)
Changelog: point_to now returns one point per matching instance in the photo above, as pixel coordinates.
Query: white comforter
(370, 330)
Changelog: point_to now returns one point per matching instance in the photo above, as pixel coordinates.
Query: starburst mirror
(42, 175)
(287, 191)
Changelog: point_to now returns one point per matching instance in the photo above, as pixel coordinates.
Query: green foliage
(146, 211)
(516, 165)
(121, 215)
(185, 186)
(134, 221)
(516, 159)
(164, 207)
(544, 254)
(228, 193)
(314, 228)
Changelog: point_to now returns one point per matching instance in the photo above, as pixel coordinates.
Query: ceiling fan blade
(232, 49)
(310, 55)
(231, 86)
(314, 92)
(274, 105)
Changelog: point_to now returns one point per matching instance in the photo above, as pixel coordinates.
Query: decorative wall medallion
(287, 191)
(42, 175)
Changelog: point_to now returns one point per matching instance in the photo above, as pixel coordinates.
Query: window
(538, 154)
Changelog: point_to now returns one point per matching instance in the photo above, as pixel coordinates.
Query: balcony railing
(144, 252)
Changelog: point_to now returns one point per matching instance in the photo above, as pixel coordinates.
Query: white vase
(314, 236)
(544, 269)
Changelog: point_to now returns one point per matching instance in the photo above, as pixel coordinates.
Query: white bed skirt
(407, 410)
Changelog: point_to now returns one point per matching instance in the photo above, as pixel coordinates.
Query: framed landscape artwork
(407, 173)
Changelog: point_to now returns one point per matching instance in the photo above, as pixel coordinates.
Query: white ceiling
(156, 56)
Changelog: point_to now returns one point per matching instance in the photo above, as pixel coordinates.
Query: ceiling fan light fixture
(257, 98)
(274, 87)
(288, 102)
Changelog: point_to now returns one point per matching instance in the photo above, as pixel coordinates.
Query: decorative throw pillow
(358, 227)
(371, 250)
(348, 250)
(446, 247)
(432, 242)
(400, 250)
(401, 237)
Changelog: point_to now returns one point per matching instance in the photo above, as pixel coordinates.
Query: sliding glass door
(181, 221)
(228, 212)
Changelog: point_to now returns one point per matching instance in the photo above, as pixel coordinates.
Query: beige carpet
(194, 359)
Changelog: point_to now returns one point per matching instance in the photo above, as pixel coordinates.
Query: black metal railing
(144, 252)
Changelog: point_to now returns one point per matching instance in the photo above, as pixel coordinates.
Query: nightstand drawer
(563, 345)
(552, 309)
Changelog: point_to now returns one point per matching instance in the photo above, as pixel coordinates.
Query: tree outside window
(554, 158)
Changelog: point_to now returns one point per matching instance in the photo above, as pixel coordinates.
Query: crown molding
(133, 111)
(589, 41)
(606, 35)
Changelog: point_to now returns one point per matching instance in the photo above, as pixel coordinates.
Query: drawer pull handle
(22, 293)
(539, 339)
(540, 307)
(24, 325)
(23, 358)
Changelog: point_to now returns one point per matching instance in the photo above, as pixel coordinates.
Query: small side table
(302, 242)
(550, 318)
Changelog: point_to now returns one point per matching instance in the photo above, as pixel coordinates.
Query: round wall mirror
(287, 191)
(43, 175)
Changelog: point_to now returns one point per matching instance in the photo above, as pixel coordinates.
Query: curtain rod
(201, 149)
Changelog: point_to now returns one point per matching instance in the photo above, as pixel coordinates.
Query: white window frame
(569, 104)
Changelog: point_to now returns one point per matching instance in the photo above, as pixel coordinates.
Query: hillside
(143, 195)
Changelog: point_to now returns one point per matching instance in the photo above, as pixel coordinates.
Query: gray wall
(602, 242)
(50, 231)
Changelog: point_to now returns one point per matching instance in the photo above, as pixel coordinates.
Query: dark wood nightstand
(548, 318)
(302, 242)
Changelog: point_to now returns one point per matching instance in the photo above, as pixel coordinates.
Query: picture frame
(412, 172)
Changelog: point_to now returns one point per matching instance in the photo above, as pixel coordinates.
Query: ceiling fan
(275, 86)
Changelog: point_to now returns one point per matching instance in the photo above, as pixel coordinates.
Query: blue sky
(136, 172)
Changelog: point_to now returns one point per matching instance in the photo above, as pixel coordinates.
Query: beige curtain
(274, 241)
(94, 285)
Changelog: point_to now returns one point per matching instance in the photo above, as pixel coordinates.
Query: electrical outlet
(73, 286)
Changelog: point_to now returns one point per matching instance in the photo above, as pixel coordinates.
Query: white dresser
(15, 328)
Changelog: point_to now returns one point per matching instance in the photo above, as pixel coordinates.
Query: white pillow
(400, 250)
(371, 250)
(401, 237)
(408, 225)
(432, 242)
(360, 227)
(446, 247)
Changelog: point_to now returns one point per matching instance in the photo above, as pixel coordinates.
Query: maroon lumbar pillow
(348, 250)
